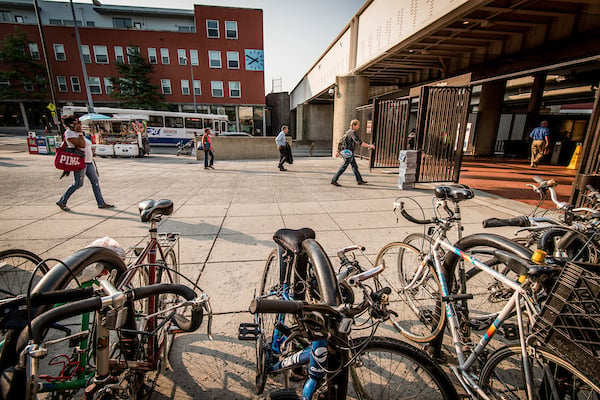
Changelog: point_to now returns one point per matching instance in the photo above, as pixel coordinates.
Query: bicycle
(17, 267)
(294, 346)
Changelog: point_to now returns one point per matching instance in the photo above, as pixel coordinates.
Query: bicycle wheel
(553, 377)
(385, 368)
(269, 285)
(16, 270)
(416, 292)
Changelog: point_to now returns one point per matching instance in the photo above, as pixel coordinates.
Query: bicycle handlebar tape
(326, 277)
(521, 220)
(272, 306)
(414, 220)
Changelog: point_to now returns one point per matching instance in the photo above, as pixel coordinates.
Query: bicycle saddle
(150, 209)
(454, 192)
(291, 239)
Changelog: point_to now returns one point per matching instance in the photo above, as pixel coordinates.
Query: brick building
(224, 46)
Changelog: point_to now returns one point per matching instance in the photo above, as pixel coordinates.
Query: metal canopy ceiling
(492, 38)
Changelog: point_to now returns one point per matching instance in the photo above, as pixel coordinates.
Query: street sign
(51, 107)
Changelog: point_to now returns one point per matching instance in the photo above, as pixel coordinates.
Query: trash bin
(42, 145)
(407, 171)
(555, 158)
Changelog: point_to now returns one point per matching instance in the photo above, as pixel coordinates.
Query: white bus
(163, 127)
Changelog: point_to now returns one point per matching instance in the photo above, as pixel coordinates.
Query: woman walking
(208, 150)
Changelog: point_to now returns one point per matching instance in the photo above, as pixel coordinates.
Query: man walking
(348, 143)
(282, 146)
(540, 142)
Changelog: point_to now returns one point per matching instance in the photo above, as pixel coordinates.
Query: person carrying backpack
(346, 147)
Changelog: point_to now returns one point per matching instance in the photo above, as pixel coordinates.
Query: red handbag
(69, 158)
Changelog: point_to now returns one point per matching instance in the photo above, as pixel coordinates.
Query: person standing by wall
(346, 148)
(540, 143)
(74, 137)
(282, 146)
(208, 150)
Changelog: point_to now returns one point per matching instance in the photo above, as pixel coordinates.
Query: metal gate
(365, 115)
(441, 126)
(390, 128)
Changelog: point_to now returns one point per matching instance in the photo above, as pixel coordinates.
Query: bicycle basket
(569, 323)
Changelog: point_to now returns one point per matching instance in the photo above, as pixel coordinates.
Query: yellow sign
(575, 158)
(51, 107)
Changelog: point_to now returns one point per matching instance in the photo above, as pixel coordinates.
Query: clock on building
(255, 60)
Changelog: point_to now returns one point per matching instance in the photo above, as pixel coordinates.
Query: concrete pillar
(351, 92)
(300, 135)
(535, 102)
(490, 109)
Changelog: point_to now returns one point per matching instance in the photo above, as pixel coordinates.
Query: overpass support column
(351, 92)
(490, 109)
(535, 102)
(300, 134)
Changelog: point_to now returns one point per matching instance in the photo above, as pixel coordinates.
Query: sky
(296, 32)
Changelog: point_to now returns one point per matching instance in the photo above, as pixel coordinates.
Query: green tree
(20, 70)
(133, 87)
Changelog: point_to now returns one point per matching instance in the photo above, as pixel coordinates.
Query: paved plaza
(227, 218)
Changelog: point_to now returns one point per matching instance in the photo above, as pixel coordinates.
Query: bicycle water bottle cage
(291, 239)
(455, 193)
(154, 209)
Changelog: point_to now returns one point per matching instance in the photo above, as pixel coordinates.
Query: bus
(162, 127)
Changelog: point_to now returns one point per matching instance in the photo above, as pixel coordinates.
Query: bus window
(216, 126)
(194, 123)
(174, 122)
(155, 120)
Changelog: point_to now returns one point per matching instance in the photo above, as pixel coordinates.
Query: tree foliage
(133, 87)
(18, 68)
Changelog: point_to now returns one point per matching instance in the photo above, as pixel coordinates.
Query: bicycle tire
(17, 267)
(420, 313)
(502, 377)
(388, 369)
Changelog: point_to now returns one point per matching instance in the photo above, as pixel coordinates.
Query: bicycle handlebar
(414, 220)
(273, 306)
(521, 220)
(342, 253)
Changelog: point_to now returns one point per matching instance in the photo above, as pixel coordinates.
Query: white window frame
(227, 29)
(34, 51)
(128, 56)
(182, 57)
(119, 55)
(59, 52)
(75, 84)
(108, 86)
(94, 85)
(85, 53)
(165, 86)
(185, 87)
(28, 85)
(197, 87)
(101, 54)
(217, 85)
(214, 55)
(233, 56)
(61, 82)
(212, 29)
(232, 88)
(164, 56)
(152, 57)
(194, 57)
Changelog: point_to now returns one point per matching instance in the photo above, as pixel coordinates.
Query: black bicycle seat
(151, 209)
(454, 192)
(291, 239)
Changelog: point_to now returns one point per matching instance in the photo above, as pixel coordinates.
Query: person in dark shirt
(351, 139)
(540, 142)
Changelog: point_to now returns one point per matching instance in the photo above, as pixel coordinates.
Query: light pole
(192, 85)
(48, 69)
(85, 75)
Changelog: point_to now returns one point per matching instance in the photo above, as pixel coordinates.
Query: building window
(181, 56)
(18, 19)
(5, 16)
(85, 53)
(233, 60)
(231, 30)
(214, 59)
(152, 59)
(108, 86)
(235, 89)
(119, 54)
(94, 85)
(212, 28)
(90, 24)
(194, 57)
(197, 88)
(217, 88)
(34, 51)
(137, 25)
(186, 28)
(121, 23)
(54, 21)
(164, 56)
(130, 52)
(28, 86)
(165, 85)
(101, 54)
(185, 87)
(62, 83)
(4, 83)
(75, 86)
(59, 52)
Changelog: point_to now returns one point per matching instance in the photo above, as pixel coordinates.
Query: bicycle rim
(16, 270)
(419, 306)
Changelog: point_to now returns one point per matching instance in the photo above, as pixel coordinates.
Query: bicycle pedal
(248, 331)
(509, 331)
